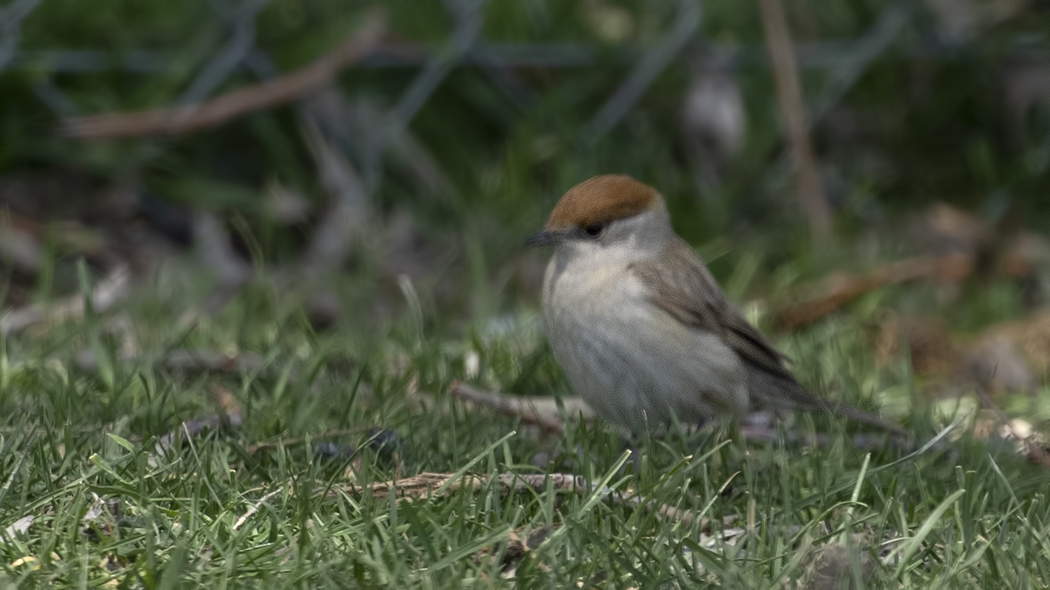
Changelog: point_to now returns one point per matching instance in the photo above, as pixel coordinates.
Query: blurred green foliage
(926, 121)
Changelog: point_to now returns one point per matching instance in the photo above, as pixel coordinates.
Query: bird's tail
(770, 391)
(858, 415)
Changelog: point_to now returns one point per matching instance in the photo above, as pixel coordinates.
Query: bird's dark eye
(594, 230)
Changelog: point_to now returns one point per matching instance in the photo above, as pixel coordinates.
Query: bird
(643, 331)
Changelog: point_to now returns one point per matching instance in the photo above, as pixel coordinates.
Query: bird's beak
(545, 238)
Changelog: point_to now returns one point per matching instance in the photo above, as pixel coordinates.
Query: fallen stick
(427, 484)
(274, 92)
(432, 485)
(544, 412)
(838, 290)
(540, 411)
(258, 504)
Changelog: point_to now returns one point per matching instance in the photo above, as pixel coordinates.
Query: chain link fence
(844, 61)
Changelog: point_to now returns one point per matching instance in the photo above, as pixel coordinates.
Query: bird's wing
(682, 286)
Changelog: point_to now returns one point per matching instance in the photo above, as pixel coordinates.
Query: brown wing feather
(683, 287)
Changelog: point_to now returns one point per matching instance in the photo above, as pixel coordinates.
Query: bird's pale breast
(631, 361)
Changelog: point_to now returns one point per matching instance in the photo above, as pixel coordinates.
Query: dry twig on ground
(541, 411)
(430, 485)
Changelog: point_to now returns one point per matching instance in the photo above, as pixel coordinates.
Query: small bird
(642, 329)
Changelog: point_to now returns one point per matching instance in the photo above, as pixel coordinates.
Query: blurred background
(367, 159)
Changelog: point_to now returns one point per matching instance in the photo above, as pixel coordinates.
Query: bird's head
(607, 211)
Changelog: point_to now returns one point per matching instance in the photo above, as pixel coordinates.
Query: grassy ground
(275, 500)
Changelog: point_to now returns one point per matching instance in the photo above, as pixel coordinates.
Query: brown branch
(836, 291)
(541, 411)
(271, 93)
(793, 110)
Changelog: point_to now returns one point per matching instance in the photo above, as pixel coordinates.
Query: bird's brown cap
(600, 200)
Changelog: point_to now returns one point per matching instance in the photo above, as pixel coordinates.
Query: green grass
(79, 455)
